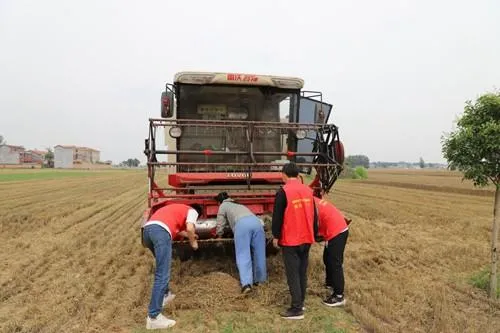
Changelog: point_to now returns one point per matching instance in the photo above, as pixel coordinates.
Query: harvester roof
(217, 78)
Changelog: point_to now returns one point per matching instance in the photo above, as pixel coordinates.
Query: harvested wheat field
(71, 260)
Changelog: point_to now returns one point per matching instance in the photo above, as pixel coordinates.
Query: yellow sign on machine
(212, 109)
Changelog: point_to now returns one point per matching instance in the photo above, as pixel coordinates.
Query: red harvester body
(233, 132)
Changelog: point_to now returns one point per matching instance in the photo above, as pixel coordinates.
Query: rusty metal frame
(312, 95)
(251, 126)
(322, 160)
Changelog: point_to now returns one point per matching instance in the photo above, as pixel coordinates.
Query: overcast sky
(397, 71)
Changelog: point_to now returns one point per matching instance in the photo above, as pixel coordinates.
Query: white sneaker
(159, 322)
(168, 298)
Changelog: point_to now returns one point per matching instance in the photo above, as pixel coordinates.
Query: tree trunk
(494, 244)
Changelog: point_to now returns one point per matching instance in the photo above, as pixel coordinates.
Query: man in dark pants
(294, 228)
(333, 228)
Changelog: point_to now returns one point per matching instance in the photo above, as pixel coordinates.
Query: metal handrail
(238, 123)
(249, 165)
(323, 159)
(214, 188)
(221, 152)
(210, 196)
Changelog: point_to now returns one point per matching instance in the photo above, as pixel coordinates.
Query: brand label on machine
(242, 77)
(237, 174)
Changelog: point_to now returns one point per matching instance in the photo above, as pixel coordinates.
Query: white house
(63, 156)
(10, 154)
(67, 156)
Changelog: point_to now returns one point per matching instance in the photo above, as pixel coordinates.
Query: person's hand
(275, 243)
(194, 245)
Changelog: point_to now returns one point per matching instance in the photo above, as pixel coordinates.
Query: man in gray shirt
(249, 240)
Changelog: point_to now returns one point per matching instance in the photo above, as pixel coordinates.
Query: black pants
(296, 259)
(333, 258)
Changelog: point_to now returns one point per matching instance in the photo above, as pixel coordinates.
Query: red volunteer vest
(173, 216)
(298, 219)
(331, 221)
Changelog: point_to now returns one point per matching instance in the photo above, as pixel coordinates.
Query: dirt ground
(417, 239)
(71, 261)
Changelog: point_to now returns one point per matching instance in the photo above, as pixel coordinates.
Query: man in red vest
(157, 234)
(333, 228)
(294, 228)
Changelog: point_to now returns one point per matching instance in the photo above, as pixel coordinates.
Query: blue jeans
(158, 240)
(250, 241)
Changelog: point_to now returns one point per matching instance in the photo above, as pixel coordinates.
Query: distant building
(85, 154)
(63, 157)
(32, 156)
(40, 152)
(66, 156)
(11, 154)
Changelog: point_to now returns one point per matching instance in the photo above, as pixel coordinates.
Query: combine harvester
(233, 132)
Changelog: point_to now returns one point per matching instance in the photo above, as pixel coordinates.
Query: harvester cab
(233, 132)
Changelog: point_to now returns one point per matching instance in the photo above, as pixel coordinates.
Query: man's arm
(192, 216)
(191, 235)
(221, 220)
(184, 234)
(278, 213)
(317, 237)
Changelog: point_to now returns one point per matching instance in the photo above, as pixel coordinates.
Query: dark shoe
(292, 313)
(246, 289)
(333, 301)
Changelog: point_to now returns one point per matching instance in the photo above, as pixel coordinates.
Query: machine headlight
(175, 132)
(241, 115)
(300, 134)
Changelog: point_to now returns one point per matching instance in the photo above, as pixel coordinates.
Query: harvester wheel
(339, 152)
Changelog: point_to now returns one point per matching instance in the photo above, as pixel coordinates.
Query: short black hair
(197, 208)
(290, 170)
(221, 197)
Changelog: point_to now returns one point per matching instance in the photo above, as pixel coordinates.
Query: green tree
(49, 158)
(474, 149)
(421, 163)
(360, 172)
(2, 140)
(131, 162)
(357, 160)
